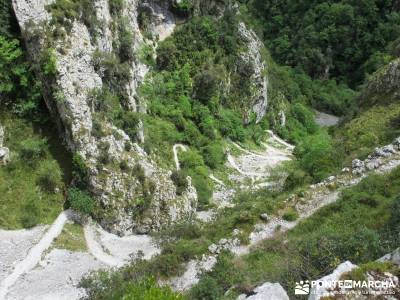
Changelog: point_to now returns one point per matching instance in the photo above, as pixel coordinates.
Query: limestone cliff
(121, 191)
(82, 48)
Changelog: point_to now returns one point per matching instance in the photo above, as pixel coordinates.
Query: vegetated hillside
(122, 97)
(32, 185)
(376, 121)
(337, 43)
(342, 40)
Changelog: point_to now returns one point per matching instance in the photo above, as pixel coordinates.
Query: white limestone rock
(252, 59)
(320, 291)
(114, 188)
(270, 291)
(393, 257)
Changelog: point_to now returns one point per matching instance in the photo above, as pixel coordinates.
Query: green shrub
(214, 155)
(168, 265)
(191, 159)
(80, 171)
(130, 124)
(296, 177)
(183, 8)
(116, 6)
(32, 150)
(206, 289)
(318, 157)
(231, 125)
(50, 176)
(30, 214)
(49, 62)
(126, 41)
(180, 181)
(290, 215)
(81, 201)
(148, 289)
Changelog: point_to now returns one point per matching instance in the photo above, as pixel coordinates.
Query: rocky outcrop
(376, 159)
(4, 151)
(252, 62)
(393, 257)
(383, 87)
(319, 291)
(140, 196)
(270, 291)
(338, 285)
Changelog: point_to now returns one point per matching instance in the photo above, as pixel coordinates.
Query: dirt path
(96, 249)
(175, 149)
(35, 254)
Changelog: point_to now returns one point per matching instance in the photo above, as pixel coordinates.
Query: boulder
(270, 291)
(320, 291)
(264, 217)
(393, 257)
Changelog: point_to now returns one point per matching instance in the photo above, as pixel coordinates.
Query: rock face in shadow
(140, 196)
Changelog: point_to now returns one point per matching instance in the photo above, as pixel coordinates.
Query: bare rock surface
(270, 291)
(14, 245)
(321, 291)
(56, 277)
(252, 59)
(326, 120)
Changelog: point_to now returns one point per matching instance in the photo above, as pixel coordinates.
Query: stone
(4, 155)
(357, 164)
(320, 291)
(270, 291)
(213, 248)
(393, 257)
(264, 217)
(373, 164)
(223, 242)
(1, 136)
(345, 170)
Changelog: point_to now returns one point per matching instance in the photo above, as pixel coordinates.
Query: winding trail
(96, 249)
(233, 163)
(35, 253)
(212, 177)
(279, 140)
(175, 149)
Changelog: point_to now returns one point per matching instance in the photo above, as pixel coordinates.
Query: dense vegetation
(186, 98)
(329, 39)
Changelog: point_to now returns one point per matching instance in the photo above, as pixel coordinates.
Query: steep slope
(71, 81)
(377, 119)
(91, 58)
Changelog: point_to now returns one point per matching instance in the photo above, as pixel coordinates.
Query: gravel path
(14, 245)
(34, 254)
(56, 277)
(97, 250)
